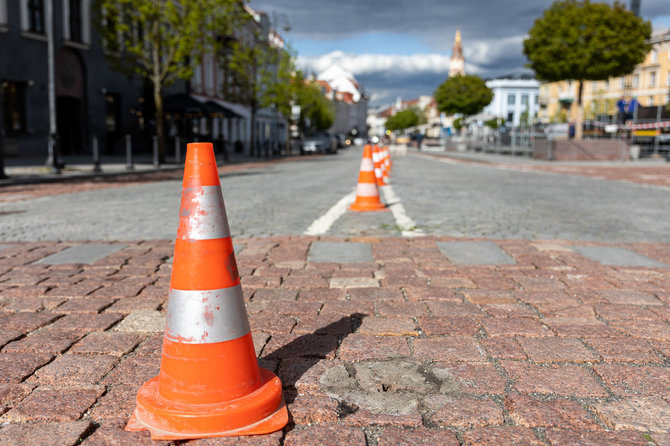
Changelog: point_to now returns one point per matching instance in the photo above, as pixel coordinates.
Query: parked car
(319, 142)
(341, 140)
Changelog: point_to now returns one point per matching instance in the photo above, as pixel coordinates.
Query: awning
(182, 103)
(215, 107)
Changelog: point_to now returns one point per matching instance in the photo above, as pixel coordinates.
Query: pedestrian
(621, 106)
(632, 106)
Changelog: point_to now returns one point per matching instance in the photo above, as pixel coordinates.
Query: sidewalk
(427, 341)
(23, 171)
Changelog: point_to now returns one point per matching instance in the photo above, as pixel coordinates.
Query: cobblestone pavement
(378, 341)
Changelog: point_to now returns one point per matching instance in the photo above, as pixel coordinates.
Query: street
(497, 301)
(442, 198)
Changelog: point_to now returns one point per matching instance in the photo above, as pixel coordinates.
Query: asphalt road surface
(427, 196)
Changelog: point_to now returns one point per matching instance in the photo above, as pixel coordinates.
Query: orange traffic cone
(367, 194)
(383, 159)
(387, 158)
(379, 169)
(210, 384)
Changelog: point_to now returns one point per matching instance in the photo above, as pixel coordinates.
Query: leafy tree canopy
(467, 95)
(315, 109)
(402, 120)
(581, 40)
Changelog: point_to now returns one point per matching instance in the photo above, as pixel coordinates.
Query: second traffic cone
(210, 384)
(379, 168)
(383, 163)
(387, 158)
(367, 194)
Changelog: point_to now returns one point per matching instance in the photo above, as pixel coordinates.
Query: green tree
(315, 109)
(467, 95)
(402, 120)
(162, 41)
(580, 40)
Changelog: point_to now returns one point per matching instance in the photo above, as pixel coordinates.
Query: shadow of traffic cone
(209, 384)
(376, 160)
(367, 193)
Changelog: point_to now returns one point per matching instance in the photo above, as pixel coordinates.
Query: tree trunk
(160, 133)
(579, 120)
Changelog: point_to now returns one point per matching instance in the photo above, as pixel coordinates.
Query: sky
(402, 48)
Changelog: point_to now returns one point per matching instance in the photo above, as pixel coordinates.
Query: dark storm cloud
(493, 31)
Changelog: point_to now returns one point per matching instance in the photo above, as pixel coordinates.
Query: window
(3, 13)
(75, 21)
(654, 56)
(36, 16)
(510, 117)
(524, 99)
(537, 99)
(606, 85)
(594, 86)
(652, 79)
(622, 82)
(14, 107)
(651, 101)
(636, 81)
(511, 99)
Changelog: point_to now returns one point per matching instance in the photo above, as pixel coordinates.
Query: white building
(512, 96)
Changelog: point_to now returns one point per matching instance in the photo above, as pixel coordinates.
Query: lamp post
(52, 159)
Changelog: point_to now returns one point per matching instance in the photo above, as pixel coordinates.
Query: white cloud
(374, 63)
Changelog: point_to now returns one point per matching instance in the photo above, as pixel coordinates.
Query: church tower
(457, 63)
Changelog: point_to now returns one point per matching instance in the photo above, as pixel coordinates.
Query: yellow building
(649, 82)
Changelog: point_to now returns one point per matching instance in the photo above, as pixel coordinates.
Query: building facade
(91, 100)
(649, 83)
(515, 99)
(349, 98)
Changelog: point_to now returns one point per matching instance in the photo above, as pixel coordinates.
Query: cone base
(260, 412)
(363, 207)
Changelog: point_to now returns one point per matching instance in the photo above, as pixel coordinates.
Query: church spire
(457, 63)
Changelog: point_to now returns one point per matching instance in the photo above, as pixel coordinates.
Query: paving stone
(529, 412)
(348, 307)
(500, 347)
(297, 283)
(417, 437)
(7, 336)
(151, 347)
(659, 330)
(630, 297)
(12, 393)
(86, 322)
(118, 403)
(464, 412)
(304, 374)
(616, 256)
(358, 346)
(489, 296)
(130, 304)
(353, 282)
(328, 323)
(646, 414)
(624, 350)
(451, 309)
(452, 348)
(564, 380)
(514, 327)
(290, 345)
(364, 418)
(556, 349)
(15, 367)
(474, 253)
(325, 434)
(468, 377)
(142, 322)
(508, 310)
(612, 312)
(87, 305)
(451, 282)
(86, 254)
(416, 293)
(27, 321)
(314, 409)
(75, 291)
(322, 294)
(30, 303)
(133, 371)
(499, 435)
(66, 434)
(53, 405)
(448, 326)
(271, 322)
(340, 252)
(388, 327)
(401, 309)
(112, 433)
(628, 380)
(46, 341)
(558, 437)
(375, 294)
(74, 370)
(580, 327)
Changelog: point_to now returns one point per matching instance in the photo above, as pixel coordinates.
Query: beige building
(649, 82)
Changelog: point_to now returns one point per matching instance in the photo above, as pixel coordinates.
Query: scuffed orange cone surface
(209, 383)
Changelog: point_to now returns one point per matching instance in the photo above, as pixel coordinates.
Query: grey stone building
(91, 99)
